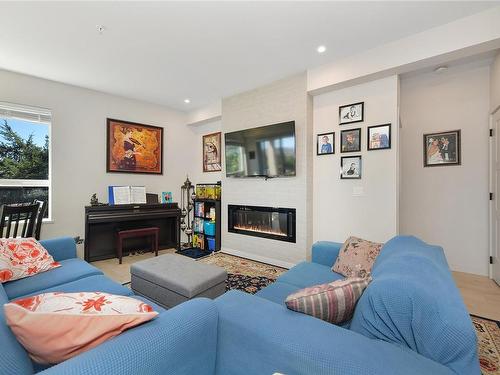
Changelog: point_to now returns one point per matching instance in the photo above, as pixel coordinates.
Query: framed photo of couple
(441, 149)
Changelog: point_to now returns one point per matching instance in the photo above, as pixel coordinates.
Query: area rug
(241, 266)
(244, 274)
(488, 338)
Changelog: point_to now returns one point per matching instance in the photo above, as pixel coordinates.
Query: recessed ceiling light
(187, 101)
(440, 69)
(321, 49)
(100, 28)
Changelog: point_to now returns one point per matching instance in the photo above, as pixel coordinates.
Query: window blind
(24, 112)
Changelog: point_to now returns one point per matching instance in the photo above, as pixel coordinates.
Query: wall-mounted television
(266, 151)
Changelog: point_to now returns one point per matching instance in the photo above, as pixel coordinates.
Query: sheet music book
(127, 194)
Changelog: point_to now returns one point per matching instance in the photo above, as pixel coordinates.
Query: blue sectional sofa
(410, 320)
(162, 346)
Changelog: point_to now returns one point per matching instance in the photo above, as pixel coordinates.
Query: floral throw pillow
(356, 257)
(23, 257)
(333, 302)
(54, 327)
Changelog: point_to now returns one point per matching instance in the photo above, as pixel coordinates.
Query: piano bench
(152, 232)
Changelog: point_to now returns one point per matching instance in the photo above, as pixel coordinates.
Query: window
(24, 154)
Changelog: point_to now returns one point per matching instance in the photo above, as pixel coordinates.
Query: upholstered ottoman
(172, 279)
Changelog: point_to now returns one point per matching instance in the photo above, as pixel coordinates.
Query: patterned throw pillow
(333, 302)
(53, 327)
(23, 257)
(356, 257)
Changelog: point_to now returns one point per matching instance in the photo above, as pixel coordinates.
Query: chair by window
(39, 218)
(18, 220)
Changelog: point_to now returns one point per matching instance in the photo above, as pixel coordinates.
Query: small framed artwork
(134, 148)
(325, 144)
(379, 137)
(166, 197)
(212, 158)
(442, 149)
(351, 113)
(350, 167)
(350, 140)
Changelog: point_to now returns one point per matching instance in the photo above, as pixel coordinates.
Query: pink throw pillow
(23, 257)
(356, 257)
(54, 327)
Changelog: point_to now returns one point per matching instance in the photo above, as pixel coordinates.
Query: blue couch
(161, 346)
(410, 320)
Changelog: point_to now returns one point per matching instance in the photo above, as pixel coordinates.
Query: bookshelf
(207, 218)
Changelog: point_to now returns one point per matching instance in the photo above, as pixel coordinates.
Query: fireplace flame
(260, 229)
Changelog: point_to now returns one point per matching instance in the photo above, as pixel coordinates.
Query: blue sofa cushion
(277, 292)
(13, 357)
(413, 302)
(70, 270)
(95, 283)
(308, 274)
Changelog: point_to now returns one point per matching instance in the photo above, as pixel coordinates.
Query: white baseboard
(258, 258)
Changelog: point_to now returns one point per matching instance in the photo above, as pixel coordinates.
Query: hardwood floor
(481, 294)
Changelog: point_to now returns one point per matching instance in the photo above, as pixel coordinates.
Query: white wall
(281, 101)
(495, 83)
(337, 213)
(447, 206)
(79, 145)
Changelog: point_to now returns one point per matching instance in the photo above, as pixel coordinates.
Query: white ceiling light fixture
(187, 101)
(321, 49)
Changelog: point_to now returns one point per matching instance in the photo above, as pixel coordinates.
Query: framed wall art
(212, 155)
(379, 137)
(441, 149)
(350, 140)
(325, 143)
(351, 113)
(134, 148)
(350, 167)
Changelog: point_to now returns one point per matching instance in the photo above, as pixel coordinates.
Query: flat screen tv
(266, 151)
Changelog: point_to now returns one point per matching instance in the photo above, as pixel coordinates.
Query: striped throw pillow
(333, 302)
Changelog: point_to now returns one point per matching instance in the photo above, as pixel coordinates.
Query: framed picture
(325, 144)
(350, 167)
(350, 140)
(134, 148)
(351, 113)
(212, 161)
(442, 149)
(166, 197)
(379, 137)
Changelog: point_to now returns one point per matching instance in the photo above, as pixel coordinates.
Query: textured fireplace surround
(281, 101)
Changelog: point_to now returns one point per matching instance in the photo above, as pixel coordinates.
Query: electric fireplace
(267, 222)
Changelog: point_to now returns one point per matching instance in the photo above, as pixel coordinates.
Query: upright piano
(103, 222)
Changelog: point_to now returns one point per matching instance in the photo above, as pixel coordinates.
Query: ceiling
(164, 52)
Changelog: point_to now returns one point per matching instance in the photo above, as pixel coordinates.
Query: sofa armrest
(279, 340)
(181, 341)
(325, 252)
(60, 248)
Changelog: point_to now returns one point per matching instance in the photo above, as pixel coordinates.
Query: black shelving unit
(207, 205)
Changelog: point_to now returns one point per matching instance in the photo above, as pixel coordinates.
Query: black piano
(103, 222)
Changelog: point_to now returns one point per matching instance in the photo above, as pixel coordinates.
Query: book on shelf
(199, 209)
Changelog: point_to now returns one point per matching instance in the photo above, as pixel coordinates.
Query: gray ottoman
(172, 279)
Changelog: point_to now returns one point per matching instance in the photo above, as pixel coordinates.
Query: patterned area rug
(488, 337)
(244, 274)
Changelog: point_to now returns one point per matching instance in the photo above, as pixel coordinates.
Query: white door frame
(493, 235)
